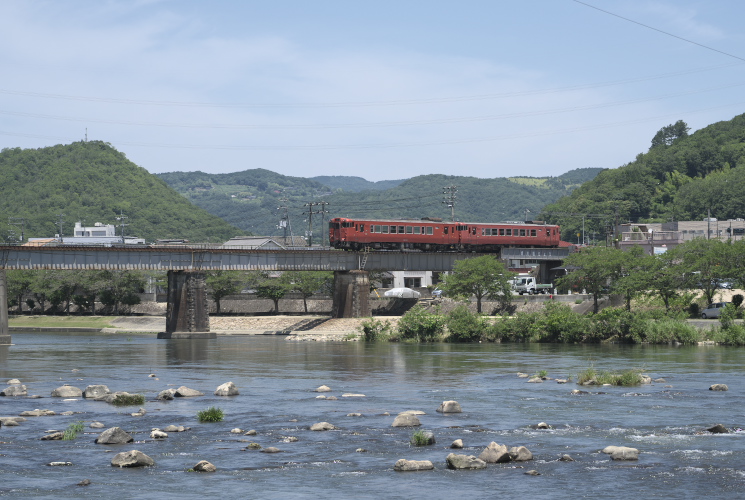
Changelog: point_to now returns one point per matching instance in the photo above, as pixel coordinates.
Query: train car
(437, 235)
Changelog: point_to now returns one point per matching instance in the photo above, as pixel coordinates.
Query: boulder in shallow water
(621, 452)
(406, 420)
(322, 426)
(13, 381)
(185, 392)
(457, 444)
(176, 428)
(719, 387)
(323, 388)
(227, 389)
(718, 429)
(166, 395)
(449, 407)
(114, 435)
(67, 391)
(423, 438)
(459, 462)
(158, 434)
(520, 454)
(132, 458)
(204, 466)
(53, 436)
(404, 465)
(37, 413)
(96, 391)
(14, 390)
(495, 454)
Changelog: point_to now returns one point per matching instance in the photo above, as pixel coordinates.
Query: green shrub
(375, 330)
(464, 325)
(420, 325)
(625, 378)
(422, 438)
(128, 400)
(728, 316)
(72, 430)
(211, 414)
(736, 300)
(558, 323)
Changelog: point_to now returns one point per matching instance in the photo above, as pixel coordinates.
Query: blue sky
(381, 90)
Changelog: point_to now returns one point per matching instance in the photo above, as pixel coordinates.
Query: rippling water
(277, 378)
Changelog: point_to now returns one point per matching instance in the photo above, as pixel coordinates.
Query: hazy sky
(382, 90)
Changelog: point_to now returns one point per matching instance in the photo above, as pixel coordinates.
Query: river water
(277, 381)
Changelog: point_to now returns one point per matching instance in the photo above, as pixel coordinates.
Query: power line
(661, 31)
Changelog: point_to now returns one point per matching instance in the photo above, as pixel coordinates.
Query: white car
(402, 293)
(713, 310)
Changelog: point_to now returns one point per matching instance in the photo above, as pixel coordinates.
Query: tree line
(56, 291)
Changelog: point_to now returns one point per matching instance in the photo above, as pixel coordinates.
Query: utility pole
(17, 221)
(310, 213)
(122, 225)
(323, 213)
(449, 192)
(60, 217)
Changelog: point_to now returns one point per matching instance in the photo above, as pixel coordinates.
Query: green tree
(221, 284)
(705, 264)
(481, 277)
(631, 280)
(307, 283)
(20, 282)
(667, 135)
(597, 269)
(269, 287)
(120, 288)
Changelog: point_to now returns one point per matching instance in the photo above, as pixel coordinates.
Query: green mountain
(354, 184)
(680, 177)
(93, 182)
(252, 199)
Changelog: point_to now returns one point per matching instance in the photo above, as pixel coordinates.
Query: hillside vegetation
(93, 182)
(681, 177)
(250, 199)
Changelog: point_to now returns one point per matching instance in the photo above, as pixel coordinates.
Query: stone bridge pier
(351, 294)
(187, 316)
(4, 332)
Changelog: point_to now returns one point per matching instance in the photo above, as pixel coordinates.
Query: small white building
(97, 234)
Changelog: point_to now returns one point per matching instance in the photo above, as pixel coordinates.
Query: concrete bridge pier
(4, 335)
(351, 294)
(187, 316)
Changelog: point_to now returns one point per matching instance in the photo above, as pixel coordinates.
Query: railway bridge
(187, 314)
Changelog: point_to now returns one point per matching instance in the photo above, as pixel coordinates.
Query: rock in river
(204, 466)
(185, 392)
(404, 465)
(719, 387)
(67, 391)
(495, 454)
(450, 407)
(464, 462)
(14, 390)
(227, 389)
(132, 458)
(322, 426)
(114, 435)
(96, 391)
(406, 420)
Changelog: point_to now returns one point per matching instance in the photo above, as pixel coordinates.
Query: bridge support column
(351, 294)
(4, 332)
(187, 316)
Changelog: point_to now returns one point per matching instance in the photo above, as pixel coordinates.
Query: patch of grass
(350, 336)
(211, 414)
(542, 374)
(61, 321)
(72, 430)
(376, 330)
(421, 438)
(625, 378)
(128, 400)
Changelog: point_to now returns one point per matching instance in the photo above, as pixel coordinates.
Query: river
(277, 380)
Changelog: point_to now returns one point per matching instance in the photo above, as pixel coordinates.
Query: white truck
(529, 285)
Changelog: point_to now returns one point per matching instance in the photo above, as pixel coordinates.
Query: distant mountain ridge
(257, 200)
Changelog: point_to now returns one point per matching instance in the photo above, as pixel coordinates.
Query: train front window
(334, 225)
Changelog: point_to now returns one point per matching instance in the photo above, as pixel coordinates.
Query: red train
(436, 235)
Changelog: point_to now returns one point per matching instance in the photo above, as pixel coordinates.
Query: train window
(334, 225)
(501, 231)
(533, 232)
(400, 230)
(522, 232)
(378, 229)
(409, 229)
(429, 229)
(445, 230)
(473, 231)
(362, 228)
(393, 229)
(385, 229)
(483, 231)
(417, 230)
(508, 232)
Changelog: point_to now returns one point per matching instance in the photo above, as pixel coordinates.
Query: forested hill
(250, 199)
(93, 182)
(681, 177)
(355, 184)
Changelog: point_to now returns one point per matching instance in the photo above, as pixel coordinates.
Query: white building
(98, 234)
